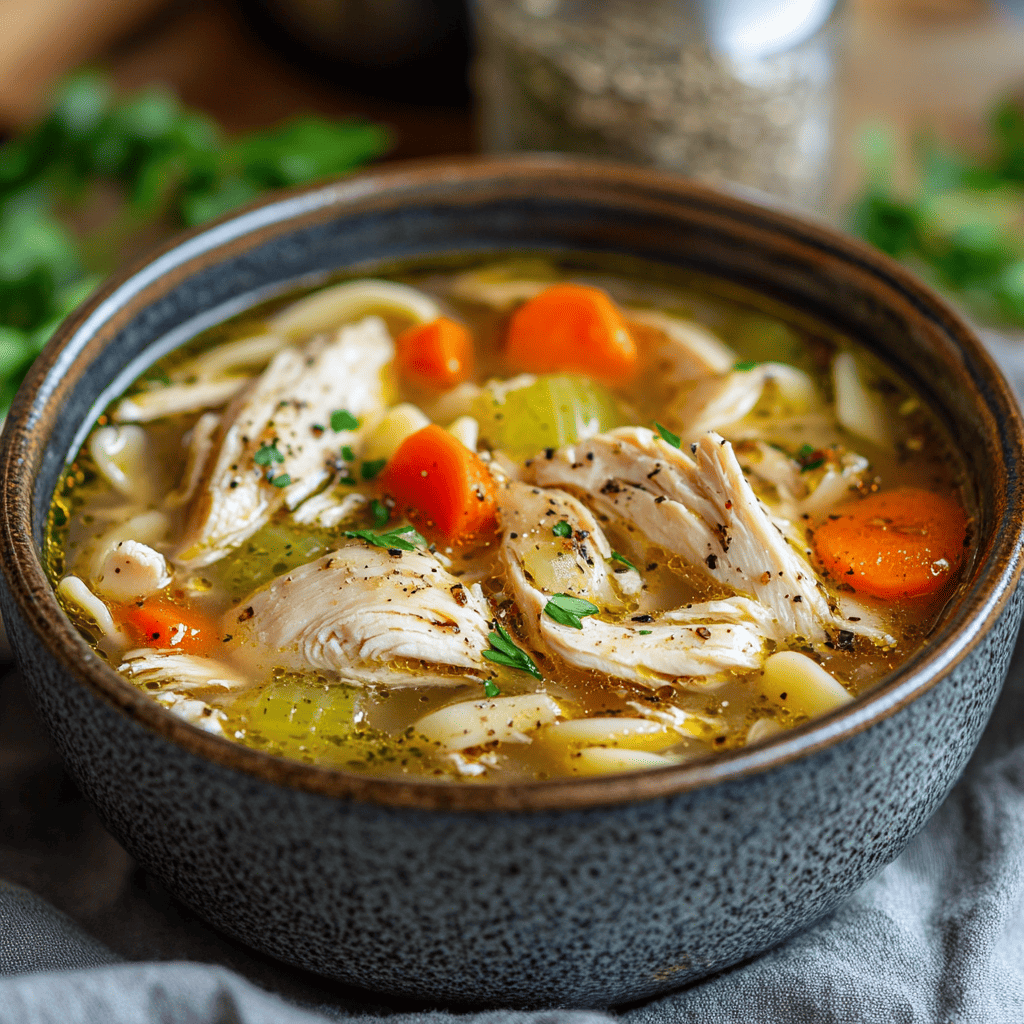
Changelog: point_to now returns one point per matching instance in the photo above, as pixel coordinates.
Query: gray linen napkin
(936, 938)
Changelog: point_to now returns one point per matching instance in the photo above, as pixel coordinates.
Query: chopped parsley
(562, 529)
(370, 469)
(667, 435)
(380, 512)
(805, 456)
(347, 454)
(616, 557)
(281, 480)
(504, 652)
(569, 611)
(644, 632)
(266, 454)
(745, 364)
(348, 481)
(342, 419)
(396, 538)
(491, 688)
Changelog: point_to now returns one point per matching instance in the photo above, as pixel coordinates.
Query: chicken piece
(175, 399)
(166, 670)
(199, 442)
(687, 351)
(368, 614)
(541, 564)
(287, 407)
(132, 570)
(718, 402)
(195, 712)
(703, 509)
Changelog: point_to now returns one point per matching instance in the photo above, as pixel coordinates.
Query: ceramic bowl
(586, 892)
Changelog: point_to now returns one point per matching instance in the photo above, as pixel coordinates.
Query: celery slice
(548, 412)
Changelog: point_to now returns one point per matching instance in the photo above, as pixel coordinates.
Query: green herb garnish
(380, 512)
(404, 538)
(491, 688)
(745, 364)
(804, 457)
(348, 481)
(562, 529)
(567, 610)
(960, 222)
(504, 652)
(370, 469)
(667, 435)
(616, 557)
(157, 375)
(644, 632)
(347, 454)
(158, 165)
(283, 480)
(266, 454)
(342, 419)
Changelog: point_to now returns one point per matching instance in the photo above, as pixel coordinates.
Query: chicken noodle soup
(516, 521)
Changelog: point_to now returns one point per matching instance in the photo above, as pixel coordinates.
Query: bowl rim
(37, 404)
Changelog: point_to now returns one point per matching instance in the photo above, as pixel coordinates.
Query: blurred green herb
(140, 165)
(963, 226)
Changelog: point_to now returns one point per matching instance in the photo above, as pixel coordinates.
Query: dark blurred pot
(416, 51)
(568, 892)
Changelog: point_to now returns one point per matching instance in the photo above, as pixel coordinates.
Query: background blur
(902, 120)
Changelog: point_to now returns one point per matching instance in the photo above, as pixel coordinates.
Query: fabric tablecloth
(86, 937)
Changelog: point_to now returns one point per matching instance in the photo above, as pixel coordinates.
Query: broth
(303, 626)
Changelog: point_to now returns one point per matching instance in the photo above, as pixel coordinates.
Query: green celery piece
(545, 414)
(296, 717)
(271, 551)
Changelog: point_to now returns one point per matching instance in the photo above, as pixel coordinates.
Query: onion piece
(859, 408)
(343, 303)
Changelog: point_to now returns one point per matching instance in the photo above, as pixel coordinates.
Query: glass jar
(723, 90)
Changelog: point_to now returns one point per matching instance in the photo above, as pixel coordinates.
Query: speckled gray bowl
(577, 892)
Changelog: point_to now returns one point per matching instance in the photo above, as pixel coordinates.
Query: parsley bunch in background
(963, 228)
(99, 177)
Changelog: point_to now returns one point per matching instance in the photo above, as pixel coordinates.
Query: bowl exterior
(557, 908)
(583, 893)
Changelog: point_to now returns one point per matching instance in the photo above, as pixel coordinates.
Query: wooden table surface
(912, 63)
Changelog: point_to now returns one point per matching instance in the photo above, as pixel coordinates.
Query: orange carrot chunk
(442, 486)
(161, 623)
(573, 328)
(438, 354)
(901, 543)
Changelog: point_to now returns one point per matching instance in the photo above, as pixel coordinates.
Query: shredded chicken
(160, 669)
(703, 509)
(174, 399)
(687, 351)
(695, 643)
(132, 570)
(367, 614)
(289, 408)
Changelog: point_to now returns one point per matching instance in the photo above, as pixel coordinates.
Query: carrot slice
(443, 486)
(438, 354)
(901, 543)
(158, 622)
(575, 328)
